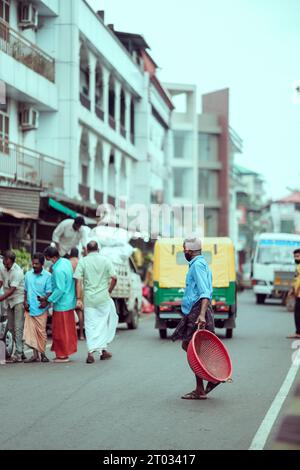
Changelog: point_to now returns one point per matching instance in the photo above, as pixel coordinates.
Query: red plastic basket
(209, 358)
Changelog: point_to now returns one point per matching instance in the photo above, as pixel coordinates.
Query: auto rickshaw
(170, 269)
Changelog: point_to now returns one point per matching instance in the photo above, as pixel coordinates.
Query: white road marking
(266, 426)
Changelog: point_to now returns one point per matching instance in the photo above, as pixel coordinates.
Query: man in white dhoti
(95, 280)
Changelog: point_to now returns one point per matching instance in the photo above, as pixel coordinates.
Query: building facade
(85, 118)
(204, 148)
(283, 215)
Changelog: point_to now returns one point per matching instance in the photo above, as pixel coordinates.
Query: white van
(274, 252)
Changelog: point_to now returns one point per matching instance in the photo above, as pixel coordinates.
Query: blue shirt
(63, 286)
(37, 285)
(198, 284)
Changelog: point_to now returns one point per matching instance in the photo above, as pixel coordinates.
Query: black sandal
(44, 358)
(31, 360)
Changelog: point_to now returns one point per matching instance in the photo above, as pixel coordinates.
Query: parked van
(274, 252)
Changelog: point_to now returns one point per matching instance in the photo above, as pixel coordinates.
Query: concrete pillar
(93, 142)
(118, 105)
(67, 140)
(106, 77)
(128, 172)
(92, 67)
(106, 156)
(127, 113)
(118, 161)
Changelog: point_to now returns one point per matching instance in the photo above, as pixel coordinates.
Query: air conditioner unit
(29, 118)
(28, 16)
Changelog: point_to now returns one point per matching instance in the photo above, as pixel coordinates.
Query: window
(208, 185)
(183, 145)
(207, 148)
(183, 182)
(4, 10)
(4, 133)
(84, 175)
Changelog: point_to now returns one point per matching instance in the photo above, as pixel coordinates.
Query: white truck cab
(274, 252)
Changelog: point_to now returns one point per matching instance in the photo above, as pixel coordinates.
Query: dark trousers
(297, 316)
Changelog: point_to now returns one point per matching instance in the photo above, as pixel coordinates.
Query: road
(133, 401)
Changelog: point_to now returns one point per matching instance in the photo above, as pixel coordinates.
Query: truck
(274, 253)
(127, 295)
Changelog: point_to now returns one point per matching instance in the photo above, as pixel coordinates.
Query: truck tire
(260, 299)
(163, 334)
(229, 333)
(133, 320)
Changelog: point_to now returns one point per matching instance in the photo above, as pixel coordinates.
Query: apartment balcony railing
(123, 131)
(84, 192)
(99, 113)
(15, 45)
(99, 197)
(21, 164)
(112, 122)
(85, 101)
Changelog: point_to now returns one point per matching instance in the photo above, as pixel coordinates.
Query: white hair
(193, 244)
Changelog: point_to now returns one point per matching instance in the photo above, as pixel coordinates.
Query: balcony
(99, 197)
(21, 164)
(16, 46)
(85, 101)
(84, 192)
(99, 113)
(123, 131)
(112, 122)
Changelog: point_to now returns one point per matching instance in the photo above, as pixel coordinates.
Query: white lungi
(100, 326)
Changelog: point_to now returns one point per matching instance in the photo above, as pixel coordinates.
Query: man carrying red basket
(196, 307)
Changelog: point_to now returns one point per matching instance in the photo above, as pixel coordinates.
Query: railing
(84, 192)
(20, 164)
(15, 45)
(112, 122)
(99, 113)
(99, 197)
(132, 139)
(123, 131)
(85, 101)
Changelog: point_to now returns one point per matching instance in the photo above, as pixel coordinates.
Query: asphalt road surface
(133, 401)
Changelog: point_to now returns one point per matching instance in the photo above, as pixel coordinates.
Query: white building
(86, 119)
(283, 215)
(204, 148)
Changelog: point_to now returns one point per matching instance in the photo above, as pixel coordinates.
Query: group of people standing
(83, 285)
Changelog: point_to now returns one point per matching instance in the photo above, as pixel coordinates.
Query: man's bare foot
(295, 336)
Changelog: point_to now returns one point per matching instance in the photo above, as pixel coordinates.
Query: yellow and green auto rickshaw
(170, 269)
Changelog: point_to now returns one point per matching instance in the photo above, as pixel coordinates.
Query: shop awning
(17, 215)
(67, 211)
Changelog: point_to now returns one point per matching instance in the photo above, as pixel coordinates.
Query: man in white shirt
(68, 234)
(95, 280)
(12, 280)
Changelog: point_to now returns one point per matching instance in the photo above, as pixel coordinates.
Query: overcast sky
(250, 46)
